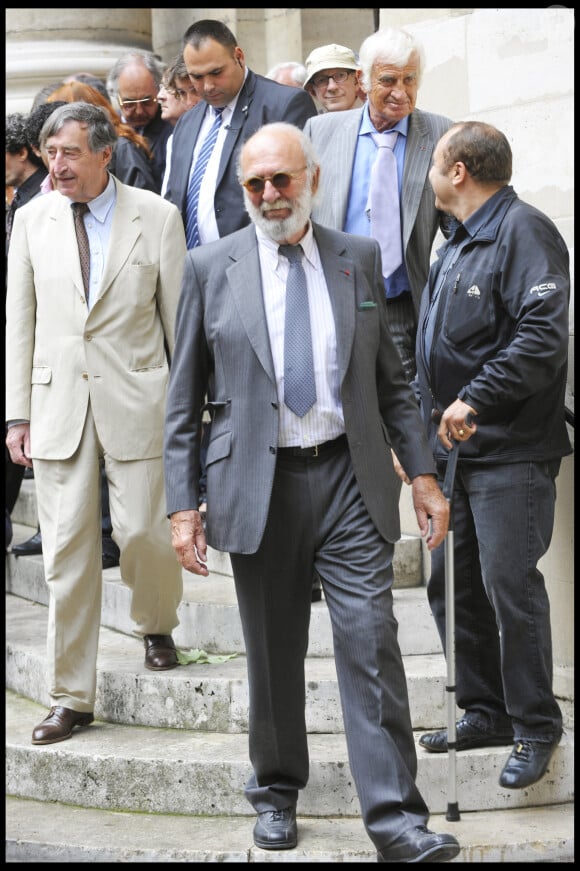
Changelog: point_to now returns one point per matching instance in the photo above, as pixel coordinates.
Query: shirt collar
(271, 246)
(99, 206)
(367, 125)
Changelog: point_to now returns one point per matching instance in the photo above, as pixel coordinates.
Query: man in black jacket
(492, 346)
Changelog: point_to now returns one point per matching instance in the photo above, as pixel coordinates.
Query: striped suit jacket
(335, 135)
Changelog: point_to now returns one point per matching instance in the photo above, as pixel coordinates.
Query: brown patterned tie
(80, 209)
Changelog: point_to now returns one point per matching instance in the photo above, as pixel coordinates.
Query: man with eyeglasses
(391, 63)
(303, 482)
(133, 84)
(332, 78)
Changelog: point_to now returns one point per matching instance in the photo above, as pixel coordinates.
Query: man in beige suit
(86, 374)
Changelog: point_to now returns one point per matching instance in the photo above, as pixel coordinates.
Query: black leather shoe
(31, 547)
(419, 844)
(316, 589)
(59, 724)
(527, 763)
(276, 830)
(160, 653)
(468, 736)
(110, 553)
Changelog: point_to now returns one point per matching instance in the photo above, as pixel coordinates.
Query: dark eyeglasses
(338, 78)
(280, 180)
(130, 105)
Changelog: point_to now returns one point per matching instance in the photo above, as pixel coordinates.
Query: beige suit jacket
(60, 356)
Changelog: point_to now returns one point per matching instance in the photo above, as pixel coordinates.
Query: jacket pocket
(41, 375)
(219, 448)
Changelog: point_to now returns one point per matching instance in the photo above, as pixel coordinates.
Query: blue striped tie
(192, 229)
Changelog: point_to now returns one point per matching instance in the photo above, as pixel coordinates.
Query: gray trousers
(318, 522)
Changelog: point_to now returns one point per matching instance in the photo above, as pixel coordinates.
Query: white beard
(285, 228)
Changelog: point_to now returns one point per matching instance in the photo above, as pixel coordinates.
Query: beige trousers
(69, 511)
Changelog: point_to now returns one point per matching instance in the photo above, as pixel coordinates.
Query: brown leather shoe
(160, 653)
(59, 724)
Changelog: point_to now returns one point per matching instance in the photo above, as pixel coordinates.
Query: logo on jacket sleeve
(543, 289)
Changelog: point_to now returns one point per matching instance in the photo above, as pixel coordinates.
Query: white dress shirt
(325, 420)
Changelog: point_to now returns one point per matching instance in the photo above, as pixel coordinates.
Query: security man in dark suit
(216, 66)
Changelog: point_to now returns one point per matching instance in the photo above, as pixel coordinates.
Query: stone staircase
(158, 776)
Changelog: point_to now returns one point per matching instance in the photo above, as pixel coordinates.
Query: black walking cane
(452, 806)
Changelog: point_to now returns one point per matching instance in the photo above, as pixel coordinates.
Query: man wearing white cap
(333, 78)
(394, 204)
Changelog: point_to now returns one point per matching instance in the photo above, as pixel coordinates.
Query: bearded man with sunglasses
(303, 484)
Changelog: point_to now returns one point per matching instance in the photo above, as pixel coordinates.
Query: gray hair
(310, 156)
(390, 46)
(150, 61)
(101, 131)
(297, 71)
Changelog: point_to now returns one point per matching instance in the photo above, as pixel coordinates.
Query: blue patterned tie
(299, 384)
(192, 229)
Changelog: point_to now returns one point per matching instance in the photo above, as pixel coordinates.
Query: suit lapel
(62, 221)
(339, 273)
(418, 152)
(245, 282)
(125, 231)
(237, 123)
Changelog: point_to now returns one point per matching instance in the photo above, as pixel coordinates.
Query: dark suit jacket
(131, 165)
(222, 333)
(261, 101)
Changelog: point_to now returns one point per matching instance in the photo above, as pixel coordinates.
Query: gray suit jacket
(335, 135)
(222, 337)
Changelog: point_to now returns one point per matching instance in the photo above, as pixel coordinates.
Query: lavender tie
(384, 203)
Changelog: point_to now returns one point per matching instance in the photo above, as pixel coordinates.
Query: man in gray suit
(391, 63)
(293, 493)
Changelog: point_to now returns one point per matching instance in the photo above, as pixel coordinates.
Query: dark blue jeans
(503, 519)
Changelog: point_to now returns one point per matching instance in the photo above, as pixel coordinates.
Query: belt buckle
(315, 454)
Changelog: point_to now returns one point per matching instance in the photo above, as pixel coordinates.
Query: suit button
(272, 450)
(86, 376)
(88, 337)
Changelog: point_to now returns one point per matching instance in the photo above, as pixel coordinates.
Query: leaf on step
(185, 657)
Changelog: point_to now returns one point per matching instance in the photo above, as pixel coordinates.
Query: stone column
(44, 46)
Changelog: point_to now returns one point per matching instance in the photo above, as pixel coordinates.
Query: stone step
(54, 832)
(208, 697)
(114, 767)
(407, 562)
(208, 614)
